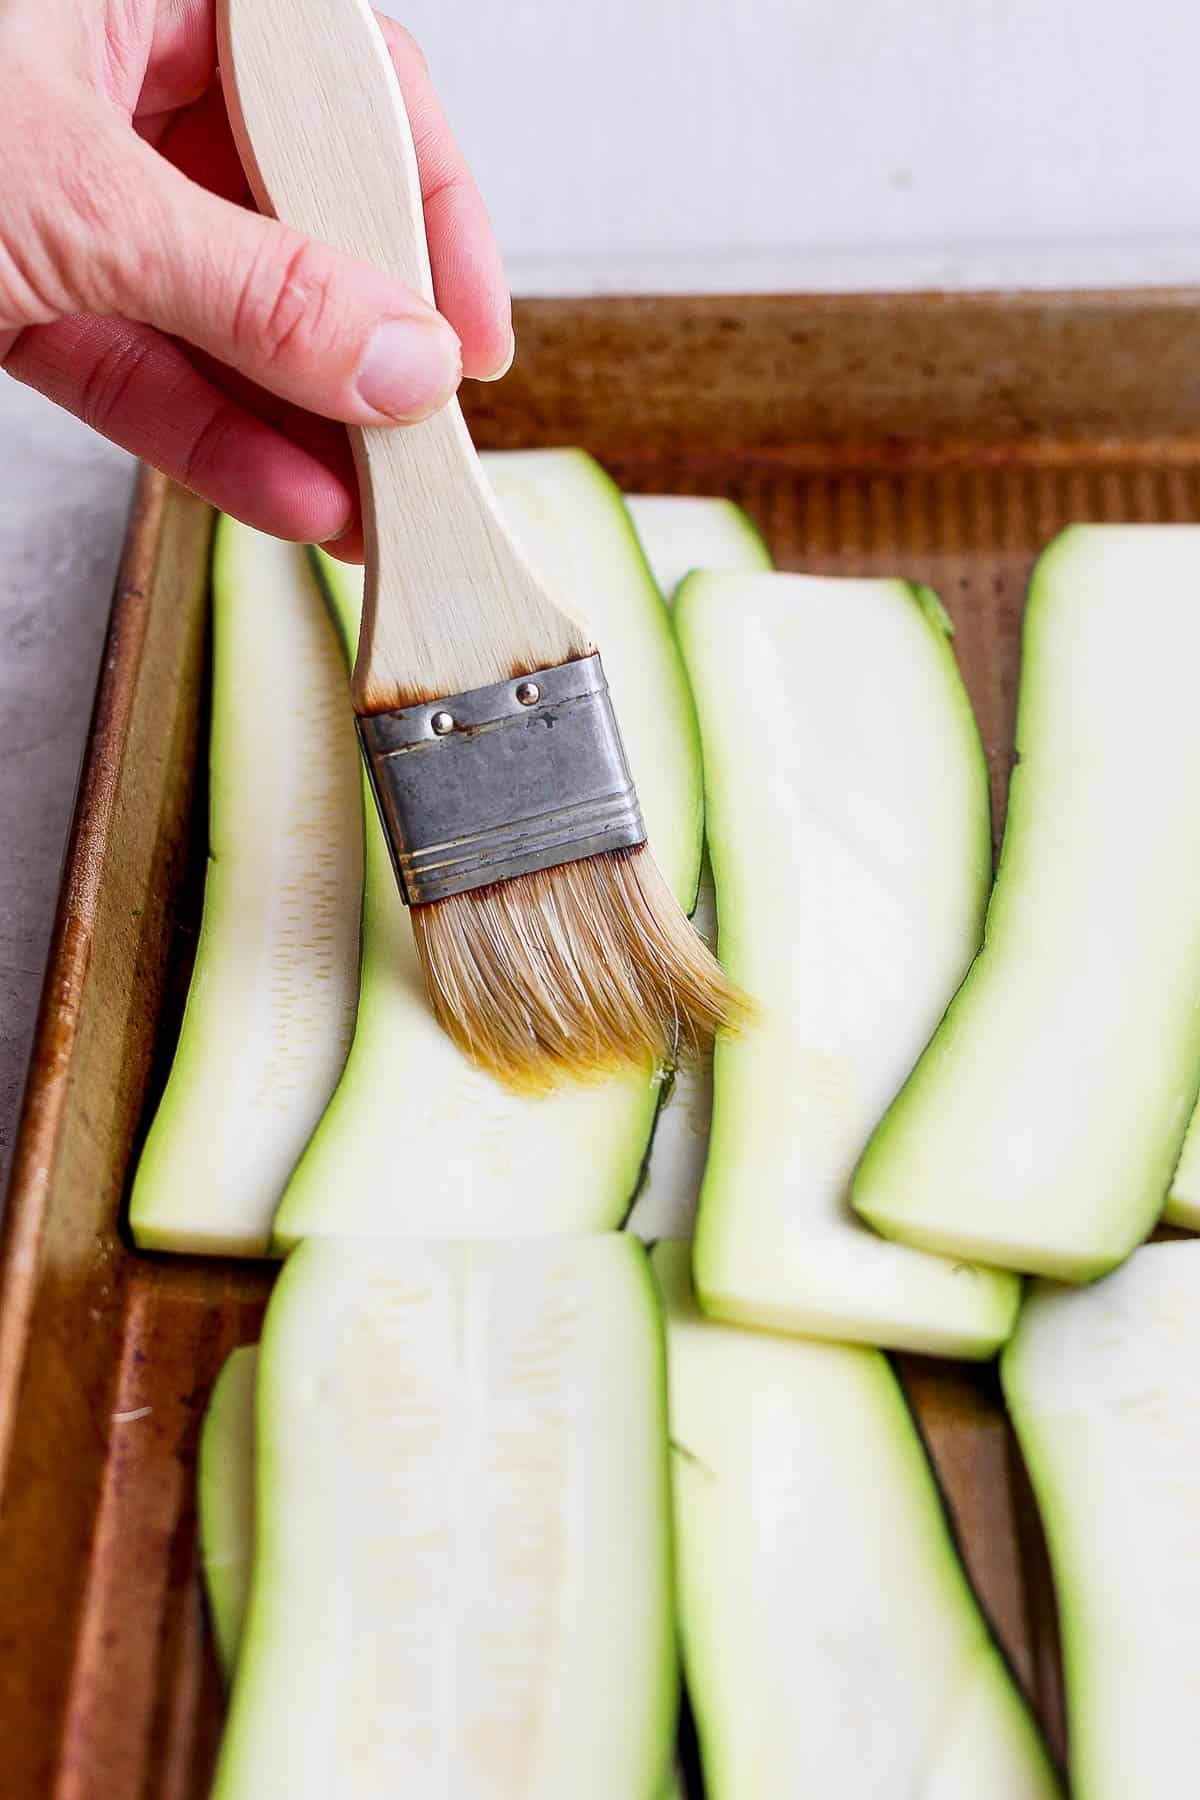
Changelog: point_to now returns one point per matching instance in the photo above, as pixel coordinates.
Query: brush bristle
(573, 972)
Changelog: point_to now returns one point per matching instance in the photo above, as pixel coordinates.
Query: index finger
(468, 277)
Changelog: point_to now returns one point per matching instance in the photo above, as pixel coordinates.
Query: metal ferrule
(500, 781)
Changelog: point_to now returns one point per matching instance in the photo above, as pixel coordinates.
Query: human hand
(138, 291)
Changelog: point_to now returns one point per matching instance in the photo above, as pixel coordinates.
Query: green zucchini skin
(1183, 1200)
(225, 1499)
(271, 1005)
(849, 833)
(463, 1155)
(462, 1570)
(1101, 1386)
(1040, 1130)
(831, 1642)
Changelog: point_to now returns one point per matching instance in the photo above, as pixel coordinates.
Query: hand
(138, 290)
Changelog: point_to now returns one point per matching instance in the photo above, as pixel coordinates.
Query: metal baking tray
(942, 438)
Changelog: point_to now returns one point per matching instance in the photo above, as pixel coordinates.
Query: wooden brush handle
(320, 123)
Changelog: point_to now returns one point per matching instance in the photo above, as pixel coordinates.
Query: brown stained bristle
(395, 697)
(573, 972)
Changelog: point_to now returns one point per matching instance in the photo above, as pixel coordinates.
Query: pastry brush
(551, 943)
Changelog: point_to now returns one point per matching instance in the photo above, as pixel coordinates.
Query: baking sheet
(940, 439)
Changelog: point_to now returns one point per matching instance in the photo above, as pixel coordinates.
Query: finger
(141, 391)
(310, 324)
(183, 56)
(349, 548)
(468, 276)
(322, 438)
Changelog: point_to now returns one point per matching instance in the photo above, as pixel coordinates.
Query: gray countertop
(62, 518)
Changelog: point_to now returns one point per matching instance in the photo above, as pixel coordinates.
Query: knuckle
(123, 57)
(285, 302)
(109, 381)
(91, 220)
(66, 218)
(206, 450)
(441, 179)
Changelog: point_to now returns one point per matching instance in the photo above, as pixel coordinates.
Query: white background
(827, 143)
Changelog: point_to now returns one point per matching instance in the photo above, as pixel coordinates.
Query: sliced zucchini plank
(226, 1508)
(831, 1642)
(684, 532)
(1041, 1129)
(416, 1140)
(225, 1499)
(848, 826)
(462, 1579)
(272, 1000)
(669, 1187)
(679, 534)
(1101, 1383)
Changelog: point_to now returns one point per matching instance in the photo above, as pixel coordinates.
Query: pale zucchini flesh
(831, 1643)
(680, 534)
(225, 1504)
(848, 828)
(272, 1001)
(416, 1140)
(276, 982)
(1041, 1128)
(1101, 1383)
(462, 1579)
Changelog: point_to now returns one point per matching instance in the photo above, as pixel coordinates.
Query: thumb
(318, 328)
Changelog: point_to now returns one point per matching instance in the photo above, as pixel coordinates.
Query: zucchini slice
(680, 534)
(1101, 1384)
(226, 1508)
(273, 995)
(831, 1642)
(417, 1141)
(225, 1499)
(462, 1579)
(1041, 1128)
(848, 826)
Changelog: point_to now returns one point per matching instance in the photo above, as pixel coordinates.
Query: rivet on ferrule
(500, 781)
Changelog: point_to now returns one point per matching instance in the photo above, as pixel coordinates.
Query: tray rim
(48, 1076)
